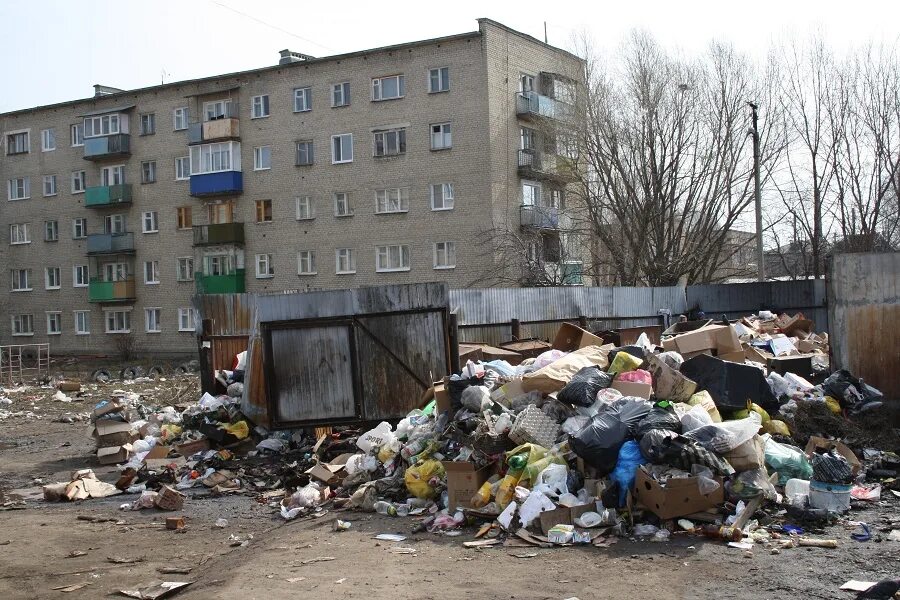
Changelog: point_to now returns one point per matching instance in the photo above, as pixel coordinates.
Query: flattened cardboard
(668, 383)
(326, 473)
(190, 448)
(109, 426)
(720, 338)
(557, 374)
(756, 354)
(571, 337)
(737, 357)
(113, 455)
(561, 515)
(631, 388)
(463, 480)
(679, 497)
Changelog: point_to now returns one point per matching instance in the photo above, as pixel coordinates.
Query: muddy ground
(280, 561)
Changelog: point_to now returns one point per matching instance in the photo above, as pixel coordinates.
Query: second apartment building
(385, 166)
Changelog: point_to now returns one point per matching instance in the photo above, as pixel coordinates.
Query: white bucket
(834, 497)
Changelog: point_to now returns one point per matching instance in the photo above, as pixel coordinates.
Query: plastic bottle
(483, 495)
(413, 448)
(385, 508)
(732, 534)
(507, 487)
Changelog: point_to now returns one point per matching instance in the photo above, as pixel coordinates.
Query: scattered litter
(390, 537)
(156, 591)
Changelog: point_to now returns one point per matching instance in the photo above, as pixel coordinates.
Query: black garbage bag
(654, 446)
(583, 387)
(599, 441)
(635, 351)
(850, 391)
(831, 467)
(659, 417)
(456, 387)
(730, 384)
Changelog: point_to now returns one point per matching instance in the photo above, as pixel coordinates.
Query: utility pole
(760, 255)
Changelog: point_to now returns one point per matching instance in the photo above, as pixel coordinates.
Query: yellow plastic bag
(703, 398)
(169, 431)
(534, 452)
(418, 476)
(833, 405)
(529, 475)
(624, 362)
(776, 427)
(240, 430)
(386, 453)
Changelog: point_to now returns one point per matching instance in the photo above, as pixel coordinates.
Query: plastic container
(833, 497)
(795, 487)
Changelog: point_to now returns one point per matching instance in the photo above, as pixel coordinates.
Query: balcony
(222, 183)
(107, 146)
(110, 243)
(107, 195)
(543, 217)
(551, 274)
(533, 105)
(111, 291)
(533, 164)
(219, 233)
(211, 131)
(232, 283)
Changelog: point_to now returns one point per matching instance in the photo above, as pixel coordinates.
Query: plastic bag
(706, 483)
(636, 376)
(747, 456)
(850, 391)
(705, 400)
(750, 484)
(788, 461)
(726, 436)
(375, 438)
(831, 467)
(659, 417)
(777, 427)
(583, 387)
(599, 441)
(476, 398)
(623, 362)
(630, 458)
(534, 505)
(306, 497)
(653, 444)
(554, 478)
(545, 358)
(573, 425)
(695, 418)
(418, 478)
(671, 358)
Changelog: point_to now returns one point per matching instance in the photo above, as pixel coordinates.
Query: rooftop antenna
(545, 32)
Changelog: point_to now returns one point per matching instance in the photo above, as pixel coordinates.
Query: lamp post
(760, 256)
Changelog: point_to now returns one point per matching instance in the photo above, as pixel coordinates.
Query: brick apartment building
(375, 167)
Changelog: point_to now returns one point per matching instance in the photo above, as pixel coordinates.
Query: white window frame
(148, 171)
(82, 221)
(383, 258)
(217, 157)
(26, 133)
(265, 269)
(341, 138)
(77, 270)
(346, 201)
(114, 223)
(82, 320)
(260, 102)
(152, 318)
(23, 331)
(378, 87)
(58, 277)
(180, 118)
(151, 218)
(79, 181)
(310, 153)
(54, 225)
(112, 175)
(104, 125)
(151, 274)
(187, 261)
(391, 141)
(443, 80)
(19, 233)
(183, 168)
(448, 200)
(262, 158)
(306, 258)
(310, 208)
(215, 110)
(391, 201)
(54, 316)
(340, 94)
(350, 256)
(15, 280)
(126, 321)
(448, 249)
(150, 119)
(13, 187)
(535, 195)
(76, 135)
(53, 190)
(444, 135)
(189, 314)
(302, 99)
(48, 139)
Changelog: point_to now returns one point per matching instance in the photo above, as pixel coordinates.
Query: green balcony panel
(220, 284)
(107, 195)
(111, 291)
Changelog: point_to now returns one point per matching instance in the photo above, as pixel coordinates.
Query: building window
(259, 106)
(304, 153)
(54, 323)
(305, 208)
(19, 233)
(118, 321)
(262, 158)
(180, 118)
(220, 213)
(185, 269)
(445, 255)
(51, 231)
(19, 188)
(306, 262)
(531, 193)
(150, 222)
(51, 278)
(80, 276)
(526, 138)
(102, 125)
(342, 206)
(49, 185)
(216, 109)
(151, 272)
(345, 261)
(302, 99)
(526, 82)
(148, 124)
(182, 168)
(392, 200)
(114, 175)
(441, 136)
(342, 148)
(20, 281)
(48, 140)
(82, 322)
(148, 171)
(79, 228)
(185, 217)
(263, 211)
(185, 319)
(23, 324)
(439, 80)
(18, 143)
(114, 224)
(388, 88)
(264, 267)
(151, 320)
(215, 158)
(441, 196)
(76, 134)
(340, 94)
(390, 142)
(391, 258)
(78, 182)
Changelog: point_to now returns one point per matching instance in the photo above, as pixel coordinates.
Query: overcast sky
(55, 50)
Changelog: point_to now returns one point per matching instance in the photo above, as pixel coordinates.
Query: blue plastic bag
(630, 458)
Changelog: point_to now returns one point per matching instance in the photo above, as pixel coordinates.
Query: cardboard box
(326, 473)
(669, 383)
(190, 448)
(528, 348)
(756, 354)
(113, 455)
(792, 325)
(110, 407)
(630, 388)
(800, 364)
(720, 338)
(679, 497)
(820, 443)
(679, 327)
(490, 353)
(562, 515)
(737, 357)
(463, 480)
(442, 395)
(113, 433)
(169, 499)
(571, 337)
(469, 352)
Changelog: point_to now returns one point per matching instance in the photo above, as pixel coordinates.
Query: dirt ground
(280, 561)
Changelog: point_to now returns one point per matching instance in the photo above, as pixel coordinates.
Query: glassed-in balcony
(543, 217)
(217, 184)
(107, 146)
(218, 233)
(233, 283)
(533, 164)
(110, 243)
(532, 104)
(111, 291)
(107, 195)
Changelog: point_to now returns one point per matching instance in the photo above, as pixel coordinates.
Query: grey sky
(55, 50)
